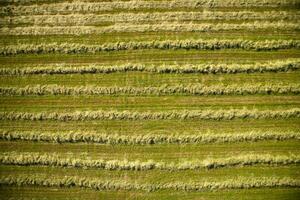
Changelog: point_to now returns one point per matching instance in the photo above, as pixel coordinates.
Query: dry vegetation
(191, 89)
(90, 19)
(146, 138)
(271, 66)
(129, 115)
(164, 26)
(231, 144)
(177, 44)
(55, 160)
(79, 6)
(98, 184)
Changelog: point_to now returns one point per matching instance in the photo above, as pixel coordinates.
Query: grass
(165, 26)
(100, 184)
(155, 175)
(210, 114)
(217, 68)
(54, 160)
(193, 89)
(159, 152)
(73, 48)
(146, 36)
(162, 139)
(106, 19)
(146, 79)
(155, 56)
(157, 126)
(61, 193)
(138, 5)
(144, 103)
(145, 138)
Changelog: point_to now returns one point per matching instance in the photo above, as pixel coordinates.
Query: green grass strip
(36, 192)
(153, 56)
(166, 127)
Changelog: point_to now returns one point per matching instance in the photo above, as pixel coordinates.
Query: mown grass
(74, 193)
(204, 68)
(157, 152)
(157, 126)
(131, 27)
(154, 56)
(184, 115)
(149, 18)
(162, 152)
(153, 176)
(74, 48)
(100, 184)
(146, 36)
(14, 23)
(54, 160)
(144, 103)
(190, 6)
(144, 79)
(146, 138)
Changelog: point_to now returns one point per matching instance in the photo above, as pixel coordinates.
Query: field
(152, 99)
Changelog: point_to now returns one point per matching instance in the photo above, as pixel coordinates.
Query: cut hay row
(149, 100)
(200, 44)
(90, 7)
(228, 114)
(89, 19)
(39, 2)
(18, 158)
(100, 184)
(154, 27)
(270, 66)
(25, 1)
(146, 137)
(192, 89)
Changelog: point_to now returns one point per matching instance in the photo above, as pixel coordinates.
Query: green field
(152, 99)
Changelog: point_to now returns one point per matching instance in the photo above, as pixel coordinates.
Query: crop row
(200, 44)
(16, 158)
(25, 1)
(89, 19)
(100, 184)
(90, 7)
(228, 114)
(146, 138)
(192, 89)
(154, 27)
(271, 66)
